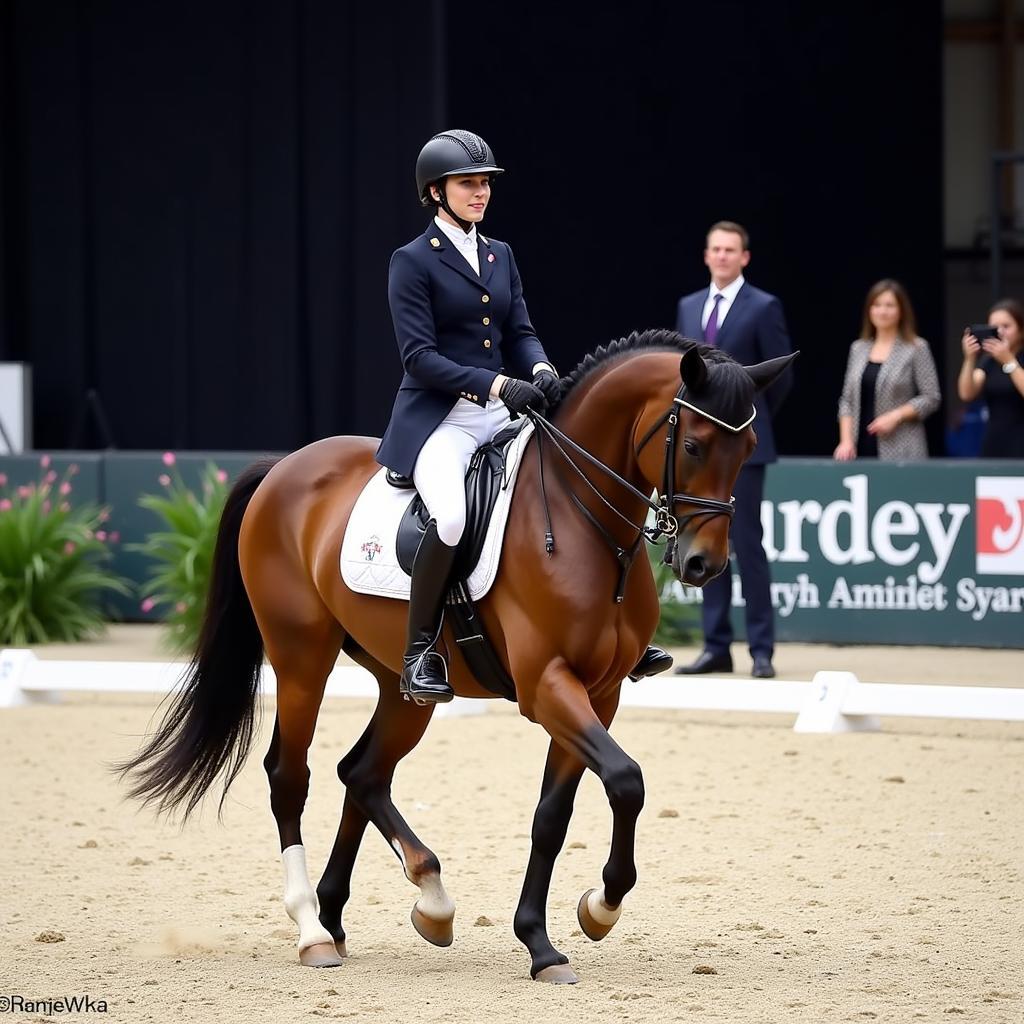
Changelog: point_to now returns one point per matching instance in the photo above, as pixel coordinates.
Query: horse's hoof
(595, 918)
(557, 974)
(321, 954)
(342, 949)
(440, 933)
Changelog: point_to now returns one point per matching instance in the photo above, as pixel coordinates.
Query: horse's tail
(208, 728)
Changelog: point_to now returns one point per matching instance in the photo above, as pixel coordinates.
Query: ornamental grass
(182, 552)
(53, 552)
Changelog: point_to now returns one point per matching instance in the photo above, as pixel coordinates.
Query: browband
(714, 419)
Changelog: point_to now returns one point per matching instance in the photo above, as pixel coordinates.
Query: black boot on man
(424, 673)
(652, 661)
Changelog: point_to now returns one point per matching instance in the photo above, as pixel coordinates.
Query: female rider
(471, 357)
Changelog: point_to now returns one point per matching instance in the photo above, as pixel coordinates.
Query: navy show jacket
(753, 330)
(456, 332)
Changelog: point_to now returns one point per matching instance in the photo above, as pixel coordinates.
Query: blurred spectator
(997, 376)
(890, 386)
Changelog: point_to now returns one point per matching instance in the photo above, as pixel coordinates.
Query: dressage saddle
(484, 480)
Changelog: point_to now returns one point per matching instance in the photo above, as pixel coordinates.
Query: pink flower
(181, 607)
(65, 488)
(73, 469)
(51, 476)
(45, 462)
(222, 476)
(164, 480)
(3, 479)
(169, 459)
(69, 548)
(25, 491)
(103, 516)
(114, 537)
(148, 605)
(46, 507)
(5, 505)
(64, 507)
(101, 535)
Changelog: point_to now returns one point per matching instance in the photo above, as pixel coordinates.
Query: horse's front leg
(562, 706)
(562, 773)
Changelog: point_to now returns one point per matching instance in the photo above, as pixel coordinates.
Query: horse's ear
(693, 370)
(766, 373)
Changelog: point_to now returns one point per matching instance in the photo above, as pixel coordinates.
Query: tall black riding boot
(424, 674)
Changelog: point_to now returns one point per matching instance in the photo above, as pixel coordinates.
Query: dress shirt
(728, 293)
(464, 241)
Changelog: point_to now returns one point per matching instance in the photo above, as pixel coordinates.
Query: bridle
(667, 522)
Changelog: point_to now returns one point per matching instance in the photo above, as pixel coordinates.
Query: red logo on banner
(999, 513)
(999, 529)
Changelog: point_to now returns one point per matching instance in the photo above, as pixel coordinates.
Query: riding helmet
(452, 152)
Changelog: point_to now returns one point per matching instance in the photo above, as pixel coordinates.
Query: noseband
(668, 523)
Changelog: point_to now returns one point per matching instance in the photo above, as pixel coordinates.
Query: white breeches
(440, 470)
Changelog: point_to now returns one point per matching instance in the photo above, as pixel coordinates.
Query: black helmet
(452, 152)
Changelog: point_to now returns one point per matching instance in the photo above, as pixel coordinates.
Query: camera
(983, 331)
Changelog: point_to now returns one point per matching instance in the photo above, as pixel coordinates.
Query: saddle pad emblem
(369, 555)
(371, 548)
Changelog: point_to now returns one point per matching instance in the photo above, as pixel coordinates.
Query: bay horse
(567, 642)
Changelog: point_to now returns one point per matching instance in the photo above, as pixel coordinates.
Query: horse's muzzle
(697, 566)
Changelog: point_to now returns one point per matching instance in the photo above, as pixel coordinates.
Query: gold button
(487, 342)
(487, 321)
(485, 298)
(435, 243)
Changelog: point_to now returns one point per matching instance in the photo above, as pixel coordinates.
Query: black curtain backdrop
(198, 200)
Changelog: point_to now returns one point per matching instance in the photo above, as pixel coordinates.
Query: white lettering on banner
(856, 510)
(892, 520)
(786, 597)
(889, 596)
(801, 593)
(979, 601)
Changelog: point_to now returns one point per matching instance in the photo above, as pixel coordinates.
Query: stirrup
(425, 687)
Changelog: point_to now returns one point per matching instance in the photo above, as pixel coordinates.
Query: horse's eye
(691, 447)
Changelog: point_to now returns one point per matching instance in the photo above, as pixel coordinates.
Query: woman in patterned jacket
(890, 386)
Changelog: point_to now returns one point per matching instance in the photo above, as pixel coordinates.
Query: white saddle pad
(369, 560)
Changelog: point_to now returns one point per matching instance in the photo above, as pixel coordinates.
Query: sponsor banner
(902, 553)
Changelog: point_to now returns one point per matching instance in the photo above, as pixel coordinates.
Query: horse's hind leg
(367, 770)
(302, 657)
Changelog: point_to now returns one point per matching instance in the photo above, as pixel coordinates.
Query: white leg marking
(300, 900)
(600, 911)
(434, 901)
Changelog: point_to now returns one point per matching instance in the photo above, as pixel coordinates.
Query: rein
(667, 523)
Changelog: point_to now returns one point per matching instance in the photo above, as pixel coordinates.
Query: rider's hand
(520, 395)
(549, 384)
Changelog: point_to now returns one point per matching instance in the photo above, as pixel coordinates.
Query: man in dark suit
(748, 324)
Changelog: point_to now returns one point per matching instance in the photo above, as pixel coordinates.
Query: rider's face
(468, 195)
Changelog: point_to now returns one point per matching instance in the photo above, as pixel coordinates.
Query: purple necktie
(711, 328)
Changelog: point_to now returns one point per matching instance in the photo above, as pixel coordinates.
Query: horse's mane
(652, 340)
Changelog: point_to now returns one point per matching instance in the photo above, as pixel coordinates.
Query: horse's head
(707, 437)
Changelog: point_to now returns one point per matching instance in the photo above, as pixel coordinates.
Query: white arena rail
(831, 702)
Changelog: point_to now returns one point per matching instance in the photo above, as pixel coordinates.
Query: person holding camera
(890, 385)
(991, 368)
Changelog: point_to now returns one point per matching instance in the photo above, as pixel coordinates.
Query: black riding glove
(549, 384)
(520, 395)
